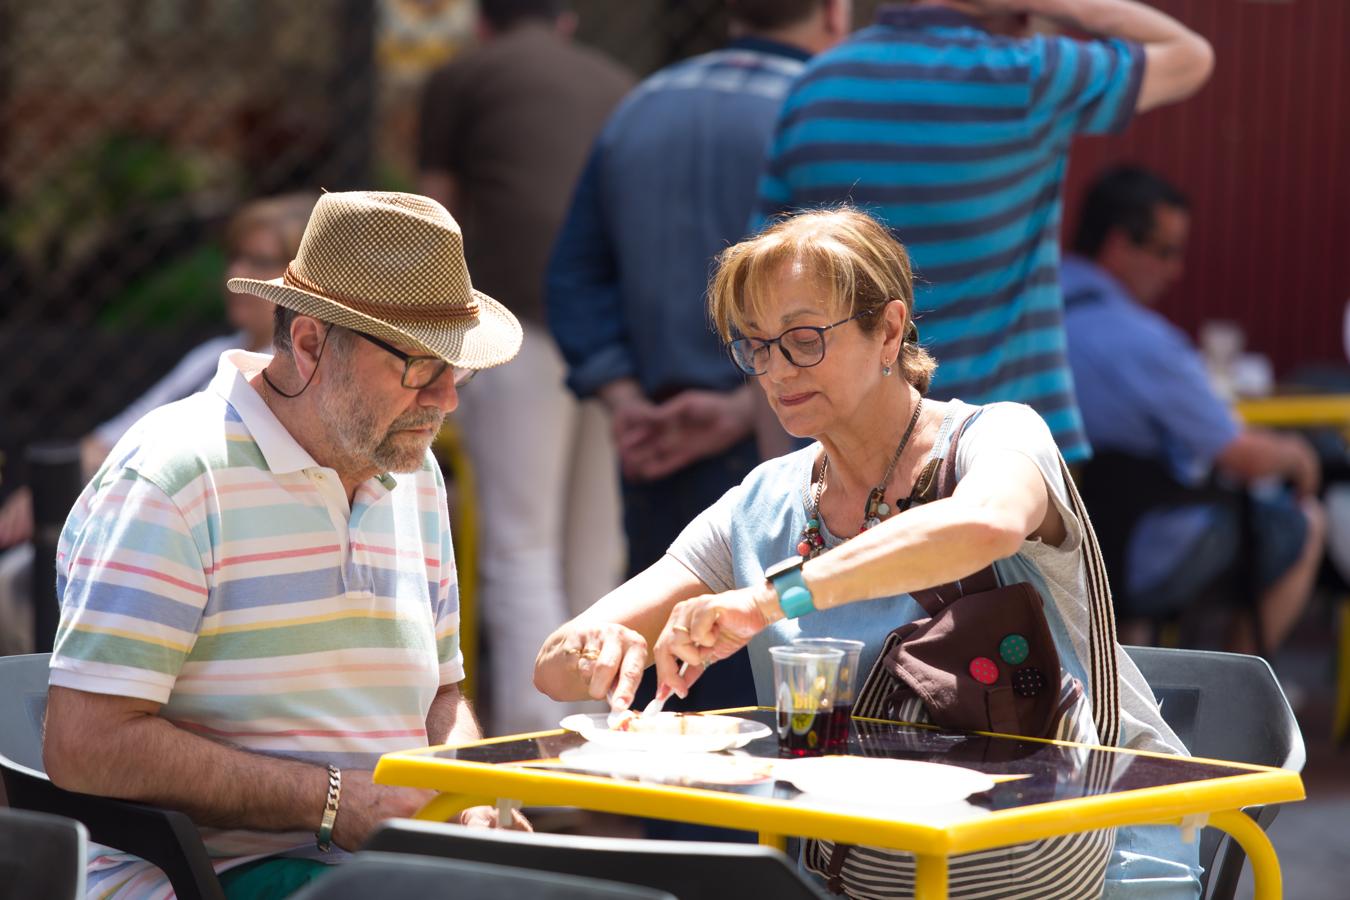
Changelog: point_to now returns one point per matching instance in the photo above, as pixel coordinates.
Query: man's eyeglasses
(802, 346)
(422, 371)
(1164, 251)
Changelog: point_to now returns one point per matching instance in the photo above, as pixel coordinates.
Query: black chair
(687, 869)
(397, 876)
(42, 857)
(1120, 489)
(1224, 706)
(164, 837)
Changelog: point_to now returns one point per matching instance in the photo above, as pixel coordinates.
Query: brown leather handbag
(984, 660)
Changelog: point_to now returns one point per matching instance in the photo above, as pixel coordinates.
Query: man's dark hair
(770, 15)
(502, 14)
(1123, 197)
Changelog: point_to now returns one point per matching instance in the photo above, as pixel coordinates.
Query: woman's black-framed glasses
(422, 371)
(803, 346)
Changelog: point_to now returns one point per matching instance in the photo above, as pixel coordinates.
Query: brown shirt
(513, 121)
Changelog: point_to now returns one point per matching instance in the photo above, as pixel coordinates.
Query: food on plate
(675, 723)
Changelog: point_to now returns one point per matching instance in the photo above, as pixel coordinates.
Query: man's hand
(691, 426)
(1262, 453)
(1305, 469)
(634, 420)
(364, 805)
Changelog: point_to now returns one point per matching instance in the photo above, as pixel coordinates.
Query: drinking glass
(845, 689)
(805, 679)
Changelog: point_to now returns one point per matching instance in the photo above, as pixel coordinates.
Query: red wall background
(1263, 151)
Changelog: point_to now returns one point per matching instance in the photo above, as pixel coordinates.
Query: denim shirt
(670, 184)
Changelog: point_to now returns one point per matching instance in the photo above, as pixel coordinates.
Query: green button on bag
(1014, 649)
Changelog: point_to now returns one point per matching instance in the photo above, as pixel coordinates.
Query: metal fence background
(130, 129)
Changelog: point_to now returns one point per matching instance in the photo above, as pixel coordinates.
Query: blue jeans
(1207, 541)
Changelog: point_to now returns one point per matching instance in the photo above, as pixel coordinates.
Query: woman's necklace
(812, 541)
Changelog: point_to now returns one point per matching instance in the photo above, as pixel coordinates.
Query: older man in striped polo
(258, 592)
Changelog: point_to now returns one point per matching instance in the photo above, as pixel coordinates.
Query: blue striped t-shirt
(958, 140)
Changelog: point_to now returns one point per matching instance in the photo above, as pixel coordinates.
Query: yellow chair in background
(454, 459)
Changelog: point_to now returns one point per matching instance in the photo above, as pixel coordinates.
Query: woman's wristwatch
(794, 597)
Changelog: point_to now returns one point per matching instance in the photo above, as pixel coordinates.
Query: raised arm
(997, 505)
(1178, 60)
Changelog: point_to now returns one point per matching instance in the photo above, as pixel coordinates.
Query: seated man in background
(253, 609)
(1145, 393)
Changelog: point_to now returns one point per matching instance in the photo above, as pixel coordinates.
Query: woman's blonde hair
(856, 258)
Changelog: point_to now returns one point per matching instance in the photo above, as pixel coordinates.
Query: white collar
(281, 451)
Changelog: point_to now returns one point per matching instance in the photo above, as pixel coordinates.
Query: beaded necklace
(812, 542)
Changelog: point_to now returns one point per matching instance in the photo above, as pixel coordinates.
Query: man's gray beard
(388, 456)
(357, 437)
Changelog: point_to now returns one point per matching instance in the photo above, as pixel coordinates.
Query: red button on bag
(983, 670)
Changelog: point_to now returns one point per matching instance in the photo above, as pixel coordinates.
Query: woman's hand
(605, 658)
(705, 629)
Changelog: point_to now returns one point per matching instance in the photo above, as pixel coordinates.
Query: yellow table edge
(1296, 410)
(1258, 785)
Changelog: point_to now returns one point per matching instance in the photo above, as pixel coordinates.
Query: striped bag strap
(1105, 684)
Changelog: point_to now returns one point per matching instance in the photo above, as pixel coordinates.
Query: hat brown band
(384, 310)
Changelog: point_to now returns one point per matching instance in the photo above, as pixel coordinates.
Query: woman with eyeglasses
(838, 539)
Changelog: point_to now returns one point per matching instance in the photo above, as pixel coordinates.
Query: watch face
(787, 565)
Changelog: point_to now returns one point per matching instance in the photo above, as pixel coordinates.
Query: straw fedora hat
(392, 266)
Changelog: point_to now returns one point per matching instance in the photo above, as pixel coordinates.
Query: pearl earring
(886, 369)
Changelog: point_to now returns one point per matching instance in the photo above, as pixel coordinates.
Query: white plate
(593, 727)
(732, 768)
(872, 780)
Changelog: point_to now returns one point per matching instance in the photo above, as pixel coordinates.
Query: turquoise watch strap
(794, 597)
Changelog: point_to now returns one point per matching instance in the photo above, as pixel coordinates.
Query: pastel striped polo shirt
(958, 140)
(212, 566)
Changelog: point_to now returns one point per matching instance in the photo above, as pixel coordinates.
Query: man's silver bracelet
(325, 832)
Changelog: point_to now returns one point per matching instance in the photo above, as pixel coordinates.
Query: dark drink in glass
(805, 680)
(842, 710)
(840, 719)
(803, 733)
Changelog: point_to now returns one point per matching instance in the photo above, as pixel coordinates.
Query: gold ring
(587, 653)
(683, 628)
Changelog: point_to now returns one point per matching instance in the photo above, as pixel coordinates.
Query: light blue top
(759, 522)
